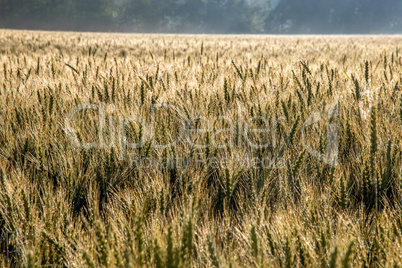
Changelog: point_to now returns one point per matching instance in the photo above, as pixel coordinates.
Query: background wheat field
(80, 111)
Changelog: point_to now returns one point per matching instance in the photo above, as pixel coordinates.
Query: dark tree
(336, 16)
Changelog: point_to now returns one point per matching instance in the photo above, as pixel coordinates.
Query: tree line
(205, 16)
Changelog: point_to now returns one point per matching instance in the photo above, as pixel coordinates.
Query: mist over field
(206, 16)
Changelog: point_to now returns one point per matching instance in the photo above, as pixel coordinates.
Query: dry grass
(66, 206)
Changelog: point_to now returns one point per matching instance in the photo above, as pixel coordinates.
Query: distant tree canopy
(210, 16)
(336, 16)
(205, 16)
(192, 15)
(55, 14)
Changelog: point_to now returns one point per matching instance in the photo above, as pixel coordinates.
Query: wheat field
(200, 151)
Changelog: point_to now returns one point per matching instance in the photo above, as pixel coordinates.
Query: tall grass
(201, 206)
